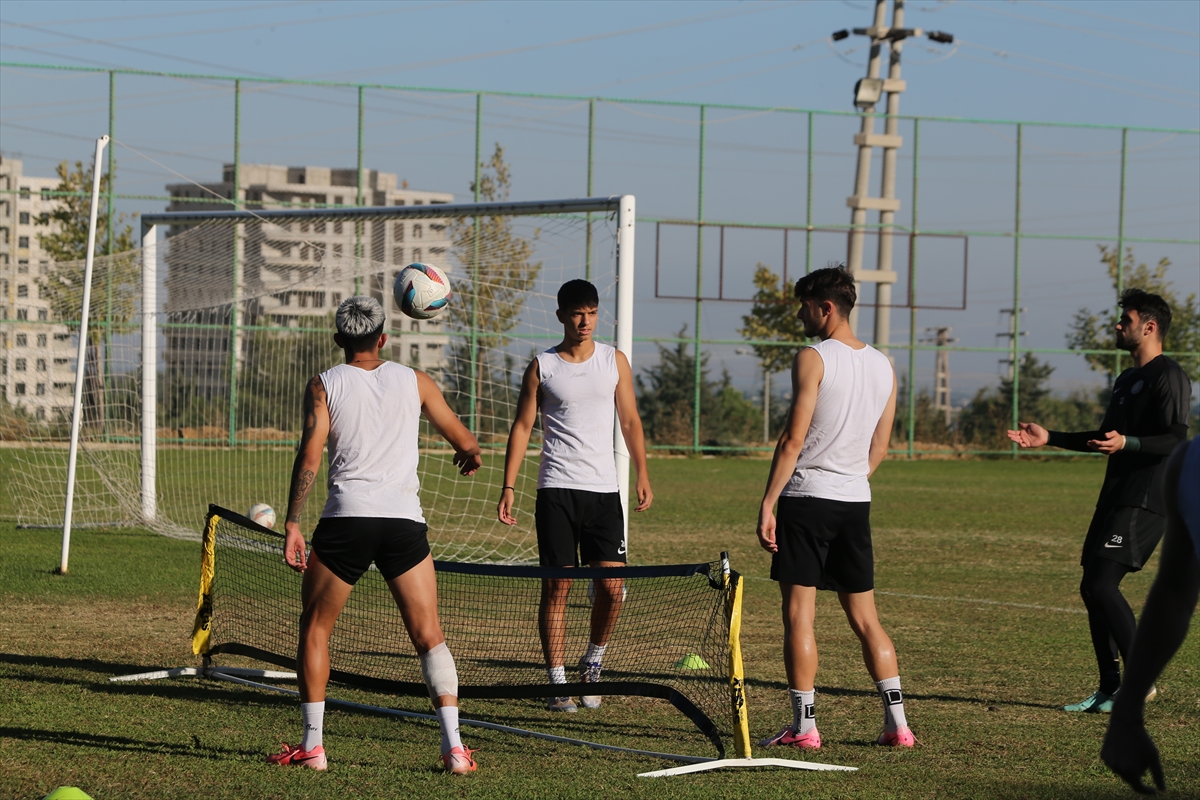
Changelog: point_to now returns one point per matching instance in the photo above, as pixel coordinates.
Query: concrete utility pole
(1010, 335)
(941, 379)
(867, 94)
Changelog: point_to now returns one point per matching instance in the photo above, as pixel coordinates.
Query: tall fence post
(912, 294)
(808, 219)
(108, 250)
(1016, 312)
(1121, 237)
(235, 343)
(587, 263)
(473, 385)
(697, 378)
(358, 199)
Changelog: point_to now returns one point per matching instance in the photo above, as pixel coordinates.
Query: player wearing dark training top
(1147, 417)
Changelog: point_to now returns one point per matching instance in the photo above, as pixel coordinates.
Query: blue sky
(1107, 63)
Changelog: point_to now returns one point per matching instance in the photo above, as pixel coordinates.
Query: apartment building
(293, 274)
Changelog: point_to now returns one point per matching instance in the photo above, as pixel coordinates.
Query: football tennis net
(676, 638)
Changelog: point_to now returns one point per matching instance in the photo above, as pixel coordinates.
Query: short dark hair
(1149, 307)
(361, 344)
(834, 284)
(577, 293)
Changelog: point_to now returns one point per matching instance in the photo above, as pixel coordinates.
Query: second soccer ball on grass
(421, 290)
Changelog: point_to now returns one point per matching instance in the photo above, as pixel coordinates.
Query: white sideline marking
(975, 600)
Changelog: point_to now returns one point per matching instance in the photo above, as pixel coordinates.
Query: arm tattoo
(301, 486)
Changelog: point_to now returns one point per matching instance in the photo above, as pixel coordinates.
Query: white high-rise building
(276, 255)
(37, 361)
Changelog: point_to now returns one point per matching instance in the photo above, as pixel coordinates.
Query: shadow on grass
(86, 664)
(835, 691)
(124, 743)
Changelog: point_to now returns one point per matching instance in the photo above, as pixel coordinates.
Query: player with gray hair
(368, 410)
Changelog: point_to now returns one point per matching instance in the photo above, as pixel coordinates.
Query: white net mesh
(230, 386)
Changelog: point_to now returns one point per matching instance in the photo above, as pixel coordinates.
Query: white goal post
(622, 207)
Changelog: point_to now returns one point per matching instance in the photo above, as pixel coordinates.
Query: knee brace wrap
(437, 667)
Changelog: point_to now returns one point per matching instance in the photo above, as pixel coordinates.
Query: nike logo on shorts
(1117, 546)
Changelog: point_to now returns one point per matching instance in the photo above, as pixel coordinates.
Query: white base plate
(724, 763)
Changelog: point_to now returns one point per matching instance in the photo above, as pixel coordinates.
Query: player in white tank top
(838, 429)
(581, 386)
(368, 411)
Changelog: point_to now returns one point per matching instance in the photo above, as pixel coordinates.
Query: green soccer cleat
(1097, 703)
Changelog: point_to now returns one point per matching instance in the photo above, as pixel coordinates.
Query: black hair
(1149, 307)
(577, 293)
(361, 344)
(834, 284)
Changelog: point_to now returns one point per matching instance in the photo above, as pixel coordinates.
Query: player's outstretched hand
(1029, 434)
(1112, 442)
(766, 530)
(468, 463)
(504, 507)
(295, 552)
(1129, 751)
(644, 494)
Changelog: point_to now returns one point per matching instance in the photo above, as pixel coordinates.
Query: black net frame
(671, 640)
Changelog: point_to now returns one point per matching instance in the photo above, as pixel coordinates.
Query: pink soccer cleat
(295, 757)
(788, 737)
(902, 737)
(458, 761)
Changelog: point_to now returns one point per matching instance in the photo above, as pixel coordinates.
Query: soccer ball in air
(421, 291)
(263, 514)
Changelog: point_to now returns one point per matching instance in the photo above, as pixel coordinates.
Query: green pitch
(977, 576)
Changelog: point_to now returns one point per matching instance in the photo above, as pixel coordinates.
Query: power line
(1098, 73)
(1080, 81)
(1077, 29)
(1121, 20)
(239, 28)
(237, 8)
(709, 17)
(137, 50)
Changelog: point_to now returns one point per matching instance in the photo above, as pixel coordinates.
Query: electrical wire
(1077, 29)
(438, 62)
(1123, 21)
(195, 12)
(1060, 65)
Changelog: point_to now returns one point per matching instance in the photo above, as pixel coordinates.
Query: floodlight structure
(867, 94)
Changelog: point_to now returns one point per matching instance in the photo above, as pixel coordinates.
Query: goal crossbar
(154, 225)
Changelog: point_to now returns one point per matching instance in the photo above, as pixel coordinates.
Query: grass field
(977, 574)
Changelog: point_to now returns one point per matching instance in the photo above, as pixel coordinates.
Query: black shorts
(348, 545)
(570, 520)
(824, 543)
(1123, 534)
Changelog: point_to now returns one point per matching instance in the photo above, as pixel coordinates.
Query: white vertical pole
(626, 227)
(149, 371)
(81, 356)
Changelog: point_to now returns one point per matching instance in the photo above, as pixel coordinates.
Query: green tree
(1094, 331)
(501, 272)
(666, 400)
(772, 318)
(985, 419)
(115, 276)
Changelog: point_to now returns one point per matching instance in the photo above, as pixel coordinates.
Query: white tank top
(578, 404)
(374, 418)
(850, 400)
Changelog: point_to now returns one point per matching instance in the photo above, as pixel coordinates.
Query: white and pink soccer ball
(263, 514)
(422, 291)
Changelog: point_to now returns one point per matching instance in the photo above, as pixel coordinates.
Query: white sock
(448, 722)
(595, 652)
(557, 674)
(893, 704)
(314, 721)
(804, 717)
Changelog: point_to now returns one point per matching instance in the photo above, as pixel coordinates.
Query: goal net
(201, 344)
(676, 638)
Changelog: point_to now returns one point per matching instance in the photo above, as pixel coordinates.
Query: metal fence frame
(697, 340)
